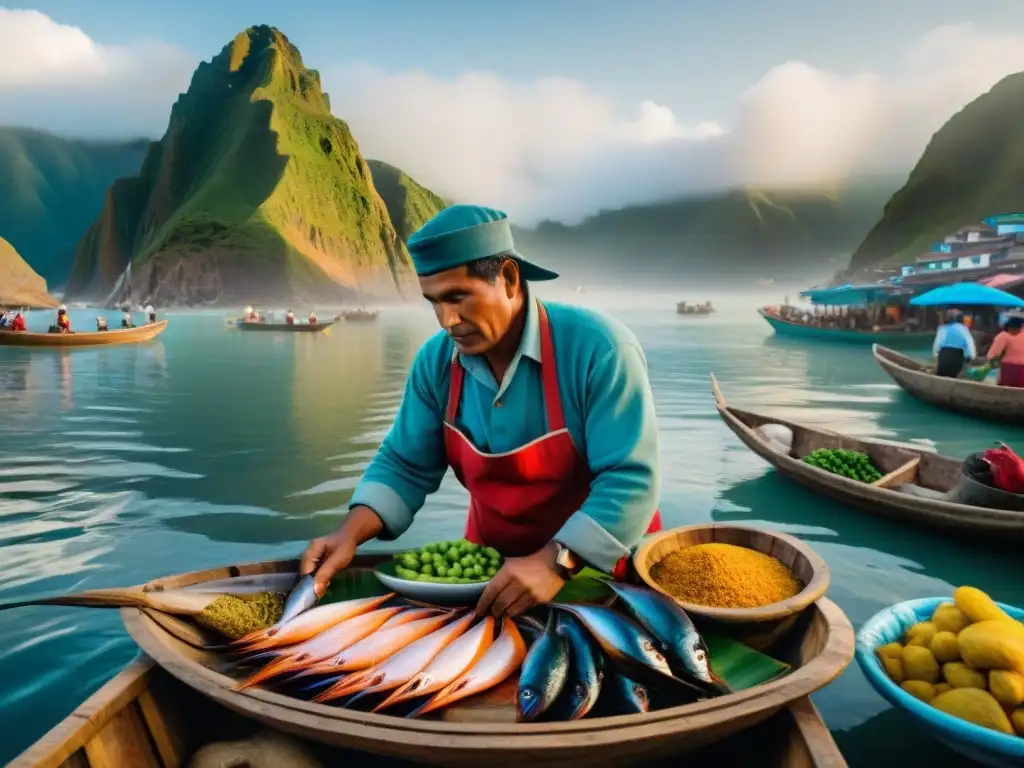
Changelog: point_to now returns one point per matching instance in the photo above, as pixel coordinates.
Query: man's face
(474, 312)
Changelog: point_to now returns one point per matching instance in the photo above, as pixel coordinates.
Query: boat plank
(903, 474)
(123, 741)
(168, 743)
(810, 743)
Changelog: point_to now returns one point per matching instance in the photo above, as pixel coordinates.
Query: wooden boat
(974, 398)
(358, 315)
(694, 310)
(296, 328)
(899, 463)
(800, 330)
(83, 339)
(145, 718)
(818, 649)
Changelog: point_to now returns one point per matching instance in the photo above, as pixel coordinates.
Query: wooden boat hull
(146, 718)
(983, 401)
(297, 328)
(91, 339)
(937, 472)
(913, 339)
(819, 648)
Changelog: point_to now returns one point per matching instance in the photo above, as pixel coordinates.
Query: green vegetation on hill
(52, 189)
(409, 204)
(20, 286)
(255, 192)
(738, 236)
(971, 169)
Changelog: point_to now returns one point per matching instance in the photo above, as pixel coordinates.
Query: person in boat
(101, 323)
(954, 345)
(63, 321)
(1008, 349)
(18, 322)
(290, 318)
(543, 411)
(312, 317)
(126, 317)
(150, 313)
(251, 315)
(5, 319)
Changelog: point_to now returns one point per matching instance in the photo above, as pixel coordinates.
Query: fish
(380, 645)
(302, 597)
(543, 674)
(447, 665)
(623, 641)
(622, 695)
(328, 643)
(310, 623)
(530, 627)
(586, 672)
(498, 662)
(400, 668)
(685, 649)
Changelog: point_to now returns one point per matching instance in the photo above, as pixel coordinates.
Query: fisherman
(5, 318)
(1008, 349)
(543, 411)
(126, 317)
(954, 345)
(101, 323)
(18, 323)
(151, 313)
(63, 321)
(290, 318)
(250, 315)
(312, 317)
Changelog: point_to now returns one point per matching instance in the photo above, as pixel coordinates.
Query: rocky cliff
(256, 192)
(409, 204)
(20, 285)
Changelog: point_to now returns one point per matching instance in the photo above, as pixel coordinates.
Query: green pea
(426, 557)
(431, 548)
(405, 573)
(442, 547)
(491, 572)
(452, 555)
(428, 569)
(410, 561)
(492, 553)
(465, 561)
(455, 570)
(441, 570)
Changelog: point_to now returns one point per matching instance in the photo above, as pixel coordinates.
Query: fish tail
(273, 669)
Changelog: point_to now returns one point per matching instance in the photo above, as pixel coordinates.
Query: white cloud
(552, 147)
(56, 77)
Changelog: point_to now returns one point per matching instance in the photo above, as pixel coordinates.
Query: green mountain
(732, 238)
(409, 204)
(971, 169)
(20, 285)
(256, 192)
(52, 190)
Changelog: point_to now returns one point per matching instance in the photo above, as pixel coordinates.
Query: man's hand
(522, 583)
(328, 555)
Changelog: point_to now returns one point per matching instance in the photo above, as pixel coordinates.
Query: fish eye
(580, 691)
(699, 655)
(526, 694)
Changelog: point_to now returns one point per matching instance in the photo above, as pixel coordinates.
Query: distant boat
(698, 310)
(358, 315)
(767, 281)
(793, 329)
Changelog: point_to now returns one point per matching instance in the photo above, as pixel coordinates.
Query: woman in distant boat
(126, 317)
(954, 345)
(18, 323)
(312, 317)
(101, 323)
(5, 319)
(151, 313)
(1008, 349)
(290, 318)
(63, 321)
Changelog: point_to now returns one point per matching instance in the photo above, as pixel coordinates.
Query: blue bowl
(981, 744)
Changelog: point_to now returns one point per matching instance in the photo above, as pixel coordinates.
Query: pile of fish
(384, 655)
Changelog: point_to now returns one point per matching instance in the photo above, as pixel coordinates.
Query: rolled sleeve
(411, 461)
(622, 452)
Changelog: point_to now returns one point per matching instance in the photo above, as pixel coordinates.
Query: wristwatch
(567, 564)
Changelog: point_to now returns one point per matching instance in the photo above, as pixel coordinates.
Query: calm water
(209, 447)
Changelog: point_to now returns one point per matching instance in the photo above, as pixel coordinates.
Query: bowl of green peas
(443, 572)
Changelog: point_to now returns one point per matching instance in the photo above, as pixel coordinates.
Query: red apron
(520, 499)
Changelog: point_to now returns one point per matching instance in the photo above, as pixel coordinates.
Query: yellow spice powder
(725, 576)
(235, 617)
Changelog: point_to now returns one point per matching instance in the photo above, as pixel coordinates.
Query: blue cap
(464, 233)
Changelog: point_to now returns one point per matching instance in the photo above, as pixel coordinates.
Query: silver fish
(302, 597)
(586, 670)
(543, 673)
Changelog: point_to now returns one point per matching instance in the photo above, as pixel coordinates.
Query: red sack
(1007, 468)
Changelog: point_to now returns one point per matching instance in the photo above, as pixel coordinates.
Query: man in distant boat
(101, 323)
(63, 321)
(543, 411)
(127, 321)
(312, 317)
(18, 323)
(954, 345)
(5, 319)
(150, 313)
(290, 318)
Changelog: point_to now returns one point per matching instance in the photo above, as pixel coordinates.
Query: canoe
(358, 316)
(83, 339)
(296, 328)
(974, 398)
(799, 330)
(819, 648)
(898, 463)
(145, 718)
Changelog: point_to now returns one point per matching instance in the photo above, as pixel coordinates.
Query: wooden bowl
(758, 627)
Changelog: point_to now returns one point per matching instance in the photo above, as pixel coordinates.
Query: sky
(550, 109)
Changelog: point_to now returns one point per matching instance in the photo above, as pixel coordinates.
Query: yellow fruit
(974, 706)
(919, 689)
(944, 647)
(893, 668)
(892, 650)
(959, 675)
(1017, 718)
(949, 618)
(992, 644)
(942, 688)
(919, 664)
(921, 634)
(977, 606)
(1007, 687)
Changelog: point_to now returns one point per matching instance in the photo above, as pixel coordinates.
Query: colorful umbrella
(964, 294)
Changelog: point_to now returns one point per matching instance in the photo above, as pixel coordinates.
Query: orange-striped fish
(400, 667)
(309, 624)
(502, 659)
(447, 665)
